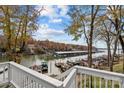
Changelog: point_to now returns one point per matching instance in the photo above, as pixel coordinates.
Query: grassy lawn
(118, 67)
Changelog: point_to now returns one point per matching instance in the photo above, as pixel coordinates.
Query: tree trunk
(109, 53)
(7, 16)
(90, 37)
(90, 41)
(115, 43)
(25, 29)
(122, 43)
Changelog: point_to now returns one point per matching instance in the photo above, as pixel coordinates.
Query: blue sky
(53, 21)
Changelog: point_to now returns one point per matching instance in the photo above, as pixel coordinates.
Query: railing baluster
(113, 83)
(106, 83)
(85, 81)
(26, 82)
(119, 84)
(35, 84)
(18, 77)
(40, 85)
(4, 73)
(122, 83)
(100, 83)
(80, 80)
(94, 82)
(7, 74)
(14, 75)
(76, 81)
(89, 81)
(29, 83)
(32, 83)
(21, 80)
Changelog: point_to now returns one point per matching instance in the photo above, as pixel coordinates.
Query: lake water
(52, 69)
(31, 60)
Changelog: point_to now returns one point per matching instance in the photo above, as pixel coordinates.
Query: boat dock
(71, 53)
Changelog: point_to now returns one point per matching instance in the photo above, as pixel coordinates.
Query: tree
(17, 25)
(83, 21)
(115, 17)
(29, 19)
(104, 33)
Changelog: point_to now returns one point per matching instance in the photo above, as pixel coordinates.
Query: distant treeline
(51, 46)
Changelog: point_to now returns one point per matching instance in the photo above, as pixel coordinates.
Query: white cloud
(55, 20)
(54, 12)
(53, 32)
(45, 32)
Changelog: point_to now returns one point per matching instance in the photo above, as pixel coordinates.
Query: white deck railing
(100, 78)
(77, 76)
(23, 77)
(88, 77)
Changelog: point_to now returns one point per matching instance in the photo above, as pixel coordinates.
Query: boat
(44, 66)
(40, 68)
(58, 64)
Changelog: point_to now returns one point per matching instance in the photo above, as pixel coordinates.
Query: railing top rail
(45, 78)
(64, 73)
(97, 72)
(4, 63)
(69, 78)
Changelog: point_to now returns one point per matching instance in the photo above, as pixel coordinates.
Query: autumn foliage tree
(17, 24)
